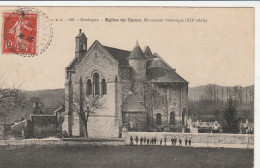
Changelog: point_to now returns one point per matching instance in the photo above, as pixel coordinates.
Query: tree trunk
(86, 129)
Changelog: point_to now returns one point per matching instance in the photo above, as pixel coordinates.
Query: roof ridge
(116, 48)
(158, 56)
(180, 76)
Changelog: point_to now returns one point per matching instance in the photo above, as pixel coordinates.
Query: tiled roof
(120, 55)
(157, 69)
(131, 104)
(148, 53)
(60, 109)
(162, 75)
(137, 53)
(157, 62)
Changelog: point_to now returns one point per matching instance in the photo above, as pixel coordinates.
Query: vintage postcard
(127, 87)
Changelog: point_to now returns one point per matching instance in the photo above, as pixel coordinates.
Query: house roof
(137, 53)
(60, 109)
(120, 55)
(163, 75)
(157, 62)
(49, 109)
(131, 104)
(148, 53)
(157, 69)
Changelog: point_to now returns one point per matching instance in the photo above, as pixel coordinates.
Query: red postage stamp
(20, 33)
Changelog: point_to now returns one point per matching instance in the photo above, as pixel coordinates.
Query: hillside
(54, 97)
(50, 100)
(220, 92)
(205, 102)
(49, 97)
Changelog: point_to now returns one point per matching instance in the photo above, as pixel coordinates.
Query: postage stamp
(20, 33)
(26, 32)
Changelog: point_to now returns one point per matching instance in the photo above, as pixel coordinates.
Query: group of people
(154, 141)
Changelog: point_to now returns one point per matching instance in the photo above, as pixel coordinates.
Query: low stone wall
(211, 138)
(37, 143)
(44, 125)
(5, 130)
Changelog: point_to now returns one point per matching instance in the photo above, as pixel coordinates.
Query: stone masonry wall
(105, 122)
(44, 125)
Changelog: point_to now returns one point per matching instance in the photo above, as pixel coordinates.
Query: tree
(85, 106)
(11, 99)
(231, 121)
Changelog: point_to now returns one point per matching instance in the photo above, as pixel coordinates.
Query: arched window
(89, 87)
(104, 87)
(96, 84)
(172, 118)
(158, 119)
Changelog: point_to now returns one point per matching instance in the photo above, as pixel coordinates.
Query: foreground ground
(124, 156)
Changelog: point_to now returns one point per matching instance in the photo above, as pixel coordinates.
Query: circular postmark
(27, 32)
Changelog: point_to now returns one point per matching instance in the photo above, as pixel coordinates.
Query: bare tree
(10, 99)
(85, 106)
(222, 92)
(211, 92)
(235, 93)
(240, 94)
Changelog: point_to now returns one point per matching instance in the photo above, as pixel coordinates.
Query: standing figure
(147, 140)
(180, 142)
(189, 142)
(172, 140)
(144, 140)
(186, 141)
(141, 140)
(131, 140)
(16, 30)
(136, 140)
(165, 140)
(161, 142)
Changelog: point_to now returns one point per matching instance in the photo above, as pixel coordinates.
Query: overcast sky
(220, 51)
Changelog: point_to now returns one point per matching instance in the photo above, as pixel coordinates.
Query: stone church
(140, 91)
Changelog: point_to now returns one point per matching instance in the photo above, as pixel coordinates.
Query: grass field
(124, 156)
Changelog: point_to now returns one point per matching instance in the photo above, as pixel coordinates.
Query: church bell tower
(81, 44)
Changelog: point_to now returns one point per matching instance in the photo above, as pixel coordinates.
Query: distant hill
(207, 102)
(212, 91)
(53, 98)
(49, 97)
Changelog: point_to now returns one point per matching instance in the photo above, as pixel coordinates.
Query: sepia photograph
(127, 87)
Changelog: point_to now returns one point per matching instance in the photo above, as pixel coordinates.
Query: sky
(220, 50)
